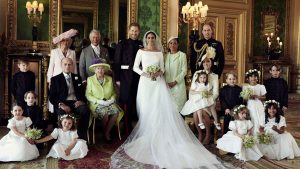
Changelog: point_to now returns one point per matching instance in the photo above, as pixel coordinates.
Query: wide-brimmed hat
(66, 35)
(97, 63)
(171, 38)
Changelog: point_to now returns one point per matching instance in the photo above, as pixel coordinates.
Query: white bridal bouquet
(152, 69)
(33, 133)
(248, 141)
(246, 93)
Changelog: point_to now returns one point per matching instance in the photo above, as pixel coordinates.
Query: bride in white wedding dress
(161, 139)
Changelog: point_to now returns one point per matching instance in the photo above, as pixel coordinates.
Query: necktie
(68, 78)
(97, 50)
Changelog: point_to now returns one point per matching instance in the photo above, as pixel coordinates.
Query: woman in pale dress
(175, 72)
(15, 146)
(67, 146)
(213, 79)
(232, 141)
(283, 144)
(64, 41)
(254, 104)
(160, 139)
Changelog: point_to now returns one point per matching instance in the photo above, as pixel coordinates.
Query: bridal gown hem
(161, 139)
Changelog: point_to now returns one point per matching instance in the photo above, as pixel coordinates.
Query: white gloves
(105, 103)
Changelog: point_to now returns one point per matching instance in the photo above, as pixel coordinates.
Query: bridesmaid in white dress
(283, 144)
(254, 104)
(161, 139)
(232, 141)
(67, 146)
(15, 146)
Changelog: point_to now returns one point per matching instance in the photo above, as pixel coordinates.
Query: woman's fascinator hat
(271, 102)
(66, 35)
(97, 63)
(210, 54)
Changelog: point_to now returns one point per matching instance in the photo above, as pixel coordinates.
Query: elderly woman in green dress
(101, 96)
(175, 71)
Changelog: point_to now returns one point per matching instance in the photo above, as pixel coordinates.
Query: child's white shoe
(217, 125)
(201, 125)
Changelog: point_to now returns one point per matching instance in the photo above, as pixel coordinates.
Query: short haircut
(32, 92)
(20, 61)
(65, 58)
(275, 65)
(94, 31)
(134, 24)
(230, 73)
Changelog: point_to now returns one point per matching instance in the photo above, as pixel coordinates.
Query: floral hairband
(251, 71)
(271, 101)
(65, 116)
(236, 110)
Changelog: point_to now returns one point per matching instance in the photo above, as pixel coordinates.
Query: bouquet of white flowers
(246, 93)
(152, 69)
(33, 133)
(248, 141)
(264, 138)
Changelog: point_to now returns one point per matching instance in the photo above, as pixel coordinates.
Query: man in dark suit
(68, 96)
(91, 53)
(125, 78)
(218, 61)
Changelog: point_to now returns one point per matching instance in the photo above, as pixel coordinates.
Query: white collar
(93, 46)
(66, 74)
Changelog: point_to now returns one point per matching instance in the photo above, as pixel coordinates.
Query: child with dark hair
(67, 146)
(254, 103)
(283, 143)
(33, 111)
(277, 88)
(232, 141)
(229, 97)
(15, 146)
(23, 81)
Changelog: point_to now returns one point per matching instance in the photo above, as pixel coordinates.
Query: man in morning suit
(91, 53)
(68, 96)
(125, 77)
(218, 61)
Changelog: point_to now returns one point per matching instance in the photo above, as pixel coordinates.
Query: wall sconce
(196, 13)
(34, 13)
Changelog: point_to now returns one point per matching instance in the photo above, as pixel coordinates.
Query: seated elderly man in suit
(68, 96)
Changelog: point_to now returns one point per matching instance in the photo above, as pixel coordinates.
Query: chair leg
(119, 131)
(88, 136)
(126, 119)
(94, 121)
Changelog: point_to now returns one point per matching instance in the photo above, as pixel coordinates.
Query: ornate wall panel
(164, 22)
(230, 38)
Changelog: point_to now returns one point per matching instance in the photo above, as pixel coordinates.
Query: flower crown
(236, 110)
(65, 116)
(201, 71)
(271, 101)
(251, 71)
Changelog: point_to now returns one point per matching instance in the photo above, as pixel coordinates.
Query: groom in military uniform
(125, 77)
(199, 49)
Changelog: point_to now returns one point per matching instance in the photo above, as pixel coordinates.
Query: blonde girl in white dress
(254, 104)
(15, 146)
(232, 141)
(201, 98)
(283, 144)
(67, 146)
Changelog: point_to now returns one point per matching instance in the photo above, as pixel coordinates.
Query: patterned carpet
(99, 154)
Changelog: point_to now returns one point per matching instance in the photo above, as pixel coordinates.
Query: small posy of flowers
(246, 93)
(248, 141)
(236, 110)
(33, 133)
(271, 101)
(205, 94)
(251, 71)
(152, 69)
(264, 138)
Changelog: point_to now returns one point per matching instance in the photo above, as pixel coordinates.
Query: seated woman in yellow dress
(101, 97)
